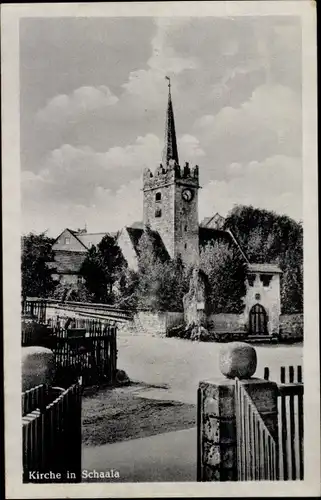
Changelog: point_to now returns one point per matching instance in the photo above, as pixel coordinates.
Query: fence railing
(51, 434)
(290, 422)
(256, 447)
(42, 308)
(62, 326)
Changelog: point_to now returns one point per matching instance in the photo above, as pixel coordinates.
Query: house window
(251, 279)
(80, 280)
(67, 241)
(158, 212)
(266, 279)
(158, 197)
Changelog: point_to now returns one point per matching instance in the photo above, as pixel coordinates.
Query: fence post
(217, 430)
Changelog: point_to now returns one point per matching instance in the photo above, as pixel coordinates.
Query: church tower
(171, 198)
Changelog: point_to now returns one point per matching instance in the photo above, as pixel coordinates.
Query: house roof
(86, 239)
(215, 219)
(89, 239)
(68, 262)
(82, 249)
(264, 268)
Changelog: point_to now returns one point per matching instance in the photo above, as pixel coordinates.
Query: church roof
(264, 268)
(170, 149)
(209, 234)
(135, 234)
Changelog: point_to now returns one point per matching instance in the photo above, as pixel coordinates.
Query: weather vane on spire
(169, 82)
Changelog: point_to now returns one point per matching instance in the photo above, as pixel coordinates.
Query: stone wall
(292, 325)
(226, 323)
(156, 323)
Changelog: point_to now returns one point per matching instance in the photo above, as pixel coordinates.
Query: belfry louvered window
(266, 279)
(251, 279)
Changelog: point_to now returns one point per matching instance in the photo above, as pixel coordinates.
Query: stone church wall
(226, 323)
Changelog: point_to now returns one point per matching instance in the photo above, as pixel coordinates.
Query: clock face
(187, 195)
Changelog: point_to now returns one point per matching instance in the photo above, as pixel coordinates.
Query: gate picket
(255, 448)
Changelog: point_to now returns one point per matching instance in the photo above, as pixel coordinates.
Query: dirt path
(120, 414)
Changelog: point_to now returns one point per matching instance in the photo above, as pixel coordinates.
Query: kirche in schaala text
(69, 476)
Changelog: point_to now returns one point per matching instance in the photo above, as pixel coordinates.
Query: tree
(76, 292)
(161, 282)
(36, 253)
(102, 268)
(276, 239)
(226, 274)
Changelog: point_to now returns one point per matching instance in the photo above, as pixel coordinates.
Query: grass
(119, 414)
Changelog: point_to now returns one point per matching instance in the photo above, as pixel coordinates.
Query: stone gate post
(217, 452)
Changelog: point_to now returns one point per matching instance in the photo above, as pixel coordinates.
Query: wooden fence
(35, 309)
(93, 358)
(261, 456)
(62, 326)
(290, 422)
(85, 347)
(51, 434)
(256, 447)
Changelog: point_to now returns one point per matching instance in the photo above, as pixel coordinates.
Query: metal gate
(256, 448)
(258, 320)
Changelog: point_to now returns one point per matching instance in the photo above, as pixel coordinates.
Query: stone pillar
(217, 437)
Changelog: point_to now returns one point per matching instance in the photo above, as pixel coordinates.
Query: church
(170, 210)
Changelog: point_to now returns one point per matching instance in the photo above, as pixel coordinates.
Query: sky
(93, 98)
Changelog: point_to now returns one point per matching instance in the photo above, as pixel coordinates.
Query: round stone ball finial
(238, 359)
(37, 367)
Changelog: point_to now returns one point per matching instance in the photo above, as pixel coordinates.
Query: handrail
(92, 305)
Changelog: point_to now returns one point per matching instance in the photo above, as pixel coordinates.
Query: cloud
(269, 123)
(273, 184)
(108, 211)
(189, 148)
(75, 180)
(148, 84)
(76, 105)
(236, 87)
(73, 173)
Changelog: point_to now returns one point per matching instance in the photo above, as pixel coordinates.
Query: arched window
(258, 320)
(158, 212)
(158, 196)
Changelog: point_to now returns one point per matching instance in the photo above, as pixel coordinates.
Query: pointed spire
(170, 149)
